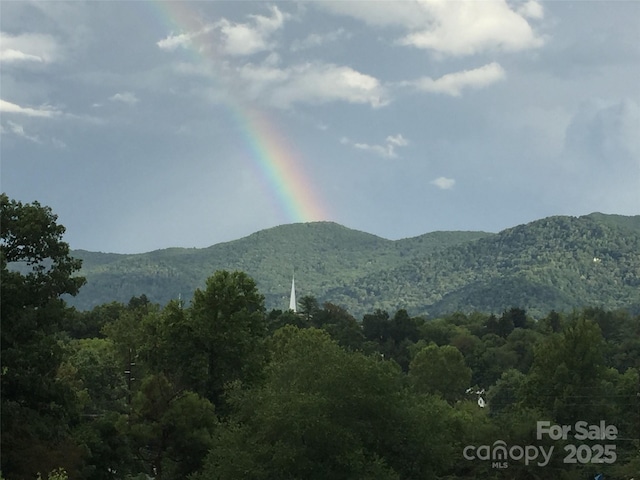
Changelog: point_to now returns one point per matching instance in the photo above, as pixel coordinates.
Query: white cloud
(532, 9)
(11, 55)
(448, 27)
(321, 83)
(18, 130)
(125, 97)
(234, 39)
(444, 183)
(466, 28)
(28, 47)
(250, 38)
(268, 81)
(182, 40)
(309, 83)
(397, 140)
(44, 111)
(388, 150)
(453, 83)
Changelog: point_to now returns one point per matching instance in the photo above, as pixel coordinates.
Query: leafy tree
(522, 343)
(308, 306)
(517, 316)
(506, 394)
(93, 369)
(441, 371)
(568, 368)
(438, 331)
(277, 319)
(376, 326)
(227, 325)
(551, 323)
(169, 346)
(403, 327)
(36, 270)
(341, 325)
(90, 323)
(502, 326)
(324, 412)
(171, 429)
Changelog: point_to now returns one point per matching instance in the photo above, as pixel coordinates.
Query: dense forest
(218, 386)
(557, 263)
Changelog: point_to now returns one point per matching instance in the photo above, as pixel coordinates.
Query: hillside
(554, 263)
(323, 255)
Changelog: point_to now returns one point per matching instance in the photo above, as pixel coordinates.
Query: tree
(403, 327)
(324, 412)
(277, 319)
(376, 326)
(441, 371)
(228, 325)
(308, 306)
(341, 325)
(567, 369)
(515, 316)
(36, 269)
(171, 428)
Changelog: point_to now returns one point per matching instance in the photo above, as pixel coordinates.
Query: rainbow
(278, 164)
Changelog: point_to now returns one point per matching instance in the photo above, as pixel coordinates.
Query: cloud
(443, 183)
(45, 111)
(388, 150)
(322, 83)
(28, 48)
(250, 38)
(397, 140)
(18, 130)
(450, 28)
(453, 83)
(467, 28)
(267, 81)
(125, 97)
(309, 83)
(314, 40)
(532, 9)
(182, 40)
(234, 39)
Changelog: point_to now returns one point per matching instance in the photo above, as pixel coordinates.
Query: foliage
(326, 256)
(36, 407)
(219, 388)
(441, 371)
(557, 263)
(57, 474)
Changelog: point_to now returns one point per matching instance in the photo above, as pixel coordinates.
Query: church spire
(293, 305)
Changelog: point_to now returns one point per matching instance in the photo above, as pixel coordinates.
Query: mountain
(555, 263)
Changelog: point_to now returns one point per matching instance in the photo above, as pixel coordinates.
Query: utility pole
(129, 374)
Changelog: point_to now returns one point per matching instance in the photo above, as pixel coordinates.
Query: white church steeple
(293, 305)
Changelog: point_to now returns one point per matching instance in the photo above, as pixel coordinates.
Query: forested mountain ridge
(322, 255)
(554, 263)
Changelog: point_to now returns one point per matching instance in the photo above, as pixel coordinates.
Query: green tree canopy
(36, 270)
(441, 371)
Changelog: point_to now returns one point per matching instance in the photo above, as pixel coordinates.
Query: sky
(148, 125)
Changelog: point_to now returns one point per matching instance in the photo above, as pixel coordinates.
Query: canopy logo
(500, 454)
